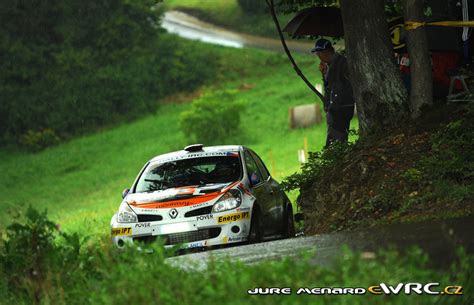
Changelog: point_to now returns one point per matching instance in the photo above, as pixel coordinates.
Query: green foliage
(451, 157)
(290, 6)
(71, 66)
(32, 261)
(253, 6)
(448, 170)
(37, 140)
(213, 119)
(412, 175)
(317, 165)
(41, 265)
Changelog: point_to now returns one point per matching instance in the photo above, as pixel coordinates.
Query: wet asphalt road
(439, 239)
(192, 28)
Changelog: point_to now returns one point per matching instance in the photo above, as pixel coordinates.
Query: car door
(277, 210)
(261, 191)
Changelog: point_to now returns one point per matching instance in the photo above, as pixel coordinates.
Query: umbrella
(314, 21)
(327, 21)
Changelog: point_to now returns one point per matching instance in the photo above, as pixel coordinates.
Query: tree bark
(381, 98)
(421, 93)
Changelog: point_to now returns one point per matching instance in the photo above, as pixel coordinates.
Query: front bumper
(200, 231)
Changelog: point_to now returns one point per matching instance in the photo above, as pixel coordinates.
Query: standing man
(339, 100)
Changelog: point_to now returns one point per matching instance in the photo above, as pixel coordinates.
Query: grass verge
(72, 271)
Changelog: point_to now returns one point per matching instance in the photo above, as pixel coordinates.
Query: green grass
(80, 182)
(228, 14)
(73, 272)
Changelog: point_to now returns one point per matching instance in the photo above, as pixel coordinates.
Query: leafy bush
(31, 260)
(317, 165)
(213, 119)
(94, 63)
(41, 265)
(412, 175)
(37, 140)
(451, 157)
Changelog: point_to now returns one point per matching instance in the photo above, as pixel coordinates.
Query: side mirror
(299, 217)
(125, 193)
(254, 179)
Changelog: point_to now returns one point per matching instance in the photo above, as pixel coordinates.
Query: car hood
(178, 197)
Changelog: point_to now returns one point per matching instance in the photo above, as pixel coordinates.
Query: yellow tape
(413, 25)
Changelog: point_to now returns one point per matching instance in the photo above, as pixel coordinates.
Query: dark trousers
(338, 122)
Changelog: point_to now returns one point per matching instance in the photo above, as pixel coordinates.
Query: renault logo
(173, 213)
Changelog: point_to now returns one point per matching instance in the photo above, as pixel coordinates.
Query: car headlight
(126, 214)
(230, 200)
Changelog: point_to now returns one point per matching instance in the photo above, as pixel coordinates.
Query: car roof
(205, 150)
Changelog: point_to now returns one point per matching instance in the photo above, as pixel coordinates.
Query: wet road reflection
(190, 27)
(439, 239)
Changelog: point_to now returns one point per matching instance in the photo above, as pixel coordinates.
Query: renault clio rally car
(201, 197)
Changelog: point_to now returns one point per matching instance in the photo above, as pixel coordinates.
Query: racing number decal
(121, 231)
(233, 217)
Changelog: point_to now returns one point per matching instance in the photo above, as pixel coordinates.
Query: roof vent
(194, 147)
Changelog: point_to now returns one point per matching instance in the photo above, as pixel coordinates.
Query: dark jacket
(338, 89)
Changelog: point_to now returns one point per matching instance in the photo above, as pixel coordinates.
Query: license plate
(176, 228)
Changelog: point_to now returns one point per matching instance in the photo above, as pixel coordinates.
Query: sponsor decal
(197, 245)
(142, 225)
(121, 231)
(233, 217)
(193, 155)
(398, 42)
(234, 239)
(194, 201)
(182, 197)
(242, 209)
(381, 289)
(201, 204)
(225, 240)
(149, 211)
(205, 217)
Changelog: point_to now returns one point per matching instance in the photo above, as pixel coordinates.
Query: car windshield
(186, 172)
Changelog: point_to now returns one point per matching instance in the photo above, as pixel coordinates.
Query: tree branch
(271, 7)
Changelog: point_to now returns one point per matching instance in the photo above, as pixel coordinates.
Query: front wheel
(256, 227)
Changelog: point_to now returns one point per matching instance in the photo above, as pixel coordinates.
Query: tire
(256, 227)
(289, 224)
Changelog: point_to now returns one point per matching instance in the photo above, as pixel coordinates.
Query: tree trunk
(421, 93)
(381, 98)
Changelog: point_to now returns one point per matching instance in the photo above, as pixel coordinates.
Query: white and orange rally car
(203, 196)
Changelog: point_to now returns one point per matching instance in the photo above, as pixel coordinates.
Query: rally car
(202, 197)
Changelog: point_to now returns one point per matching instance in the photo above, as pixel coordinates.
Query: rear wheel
(256, 227)
(289, 225)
